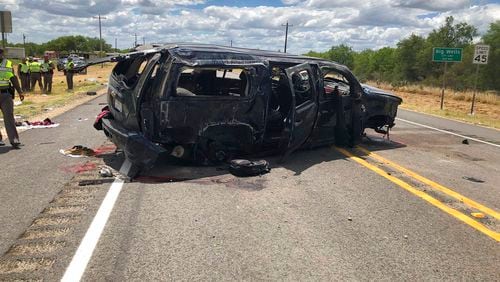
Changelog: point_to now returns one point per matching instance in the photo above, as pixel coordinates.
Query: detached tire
(248, 168)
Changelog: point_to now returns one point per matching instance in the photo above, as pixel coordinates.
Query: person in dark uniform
(68, 71)
(8, 85)
(35, 74)
(23, 71)
(47, 69)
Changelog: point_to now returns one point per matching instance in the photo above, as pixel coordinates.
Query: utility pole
(3, 29)
(135, 43)
(143, 41)
(100, 37)
(231, 43)
(116, 49)
(24, 42)
(286, 33)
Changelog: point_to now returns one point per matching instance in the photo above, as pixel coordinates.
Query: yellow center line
(437, 186)
(433, 201)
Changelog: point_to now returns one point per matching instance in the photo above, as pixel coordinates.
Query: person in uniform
(35, 74)
(8, 85)
(30, 60)
(23, 71)
(68, 71)
(47, 69)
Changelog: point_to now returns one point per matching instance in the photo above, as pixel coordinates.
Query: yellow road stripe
(437, 186)
(433, 201)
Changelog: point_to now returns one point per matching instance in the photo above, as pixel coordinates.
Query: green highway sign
(446, 54)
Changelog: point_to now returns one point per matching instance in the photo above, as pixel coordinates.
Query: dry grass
(64, 210)
(25, 265)
(53, 221)
(35, 103)
(37, 248)
(45, 233)
(457, 104)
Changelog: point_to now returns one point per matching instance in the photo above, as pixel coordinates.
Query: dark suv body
(208, 103)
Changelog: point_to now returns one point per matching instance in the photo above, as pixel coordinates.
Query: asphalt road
(326, 214)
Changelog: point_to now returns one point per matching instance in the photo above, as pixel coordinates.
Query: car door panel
(303, 113)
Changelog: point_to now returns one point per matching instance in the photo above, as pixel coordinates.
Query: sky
(314, 24)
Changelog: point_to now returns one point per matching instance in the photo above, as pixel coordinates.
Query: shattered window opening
(129, 71)
(302, 87)
(213, 82)
(335, 82)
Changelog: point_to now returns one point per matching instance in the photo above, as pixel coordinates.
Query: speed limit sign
(481, 54)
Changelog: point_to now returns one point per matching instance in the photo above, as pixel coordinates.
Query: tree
(406, 55)
(342, 54)
(449, 35)
(363, 64)
(491, 71)
(316, 54)
(78, 43)
(382, 64)
(456, 36)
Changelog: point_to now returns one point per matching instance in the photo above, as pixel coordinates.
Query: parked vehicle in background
(208, 104)
(78, 61)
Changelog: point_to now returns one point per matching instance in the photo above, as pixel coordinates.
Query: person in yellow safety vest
(35, 74)
(69, 71)
(23, 71)
(9, 83)
(30, 60)
(47, 69)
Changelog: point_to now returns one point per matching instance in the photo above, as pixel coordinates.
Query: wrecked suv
(206, 104)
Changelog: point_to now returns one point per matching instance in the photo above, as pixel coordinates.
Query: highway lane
(319, 216)
(32, 176)
(470, 169)
(482, 133)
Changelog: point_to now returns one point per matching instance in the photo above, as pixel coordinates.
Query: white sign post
(480, 57)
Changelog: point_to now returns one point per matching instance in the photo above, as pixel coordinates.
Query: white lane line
(450, 119)
(449, 132)
(78, 264)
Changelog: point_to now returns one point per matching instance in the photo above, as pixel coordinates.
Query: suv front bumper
(140, 152)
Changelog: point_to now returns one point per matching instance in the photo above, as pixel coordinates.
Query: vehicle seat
(205, 82)
(243, 83)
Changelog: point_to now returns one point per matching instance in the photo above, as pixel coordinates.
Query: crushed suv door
(302, 116)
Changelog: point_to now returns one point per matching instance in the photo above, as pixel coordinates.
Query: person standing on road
(35, 74)
(8, 85)
(23, 71)
(47, 69)
(30, 60)
(68, 71)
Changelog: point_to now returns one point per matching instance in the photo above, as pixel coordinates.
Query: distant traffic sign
(446, 54)
(5, 22)
(481, 53)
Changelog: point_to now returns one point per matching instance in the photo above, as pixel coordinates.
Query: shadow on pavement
(168, 170)
(5, 149)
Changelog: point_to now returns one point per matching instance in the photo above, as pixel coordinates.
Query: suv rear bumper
(139, 151)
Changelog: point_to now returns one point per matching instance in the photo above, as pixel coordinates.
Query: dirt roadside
(80, 99)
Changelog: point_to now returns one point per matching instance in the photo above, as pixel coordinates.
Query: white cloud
(315, 24)
(441, 5)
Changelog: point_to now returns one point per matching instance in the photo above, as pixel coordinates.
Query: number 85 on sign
(481, 54)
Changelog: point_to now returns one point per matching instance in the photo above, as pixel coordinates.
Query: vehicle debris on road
(78, 151)
(46, 123)
(106, 171)
(248, 168)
